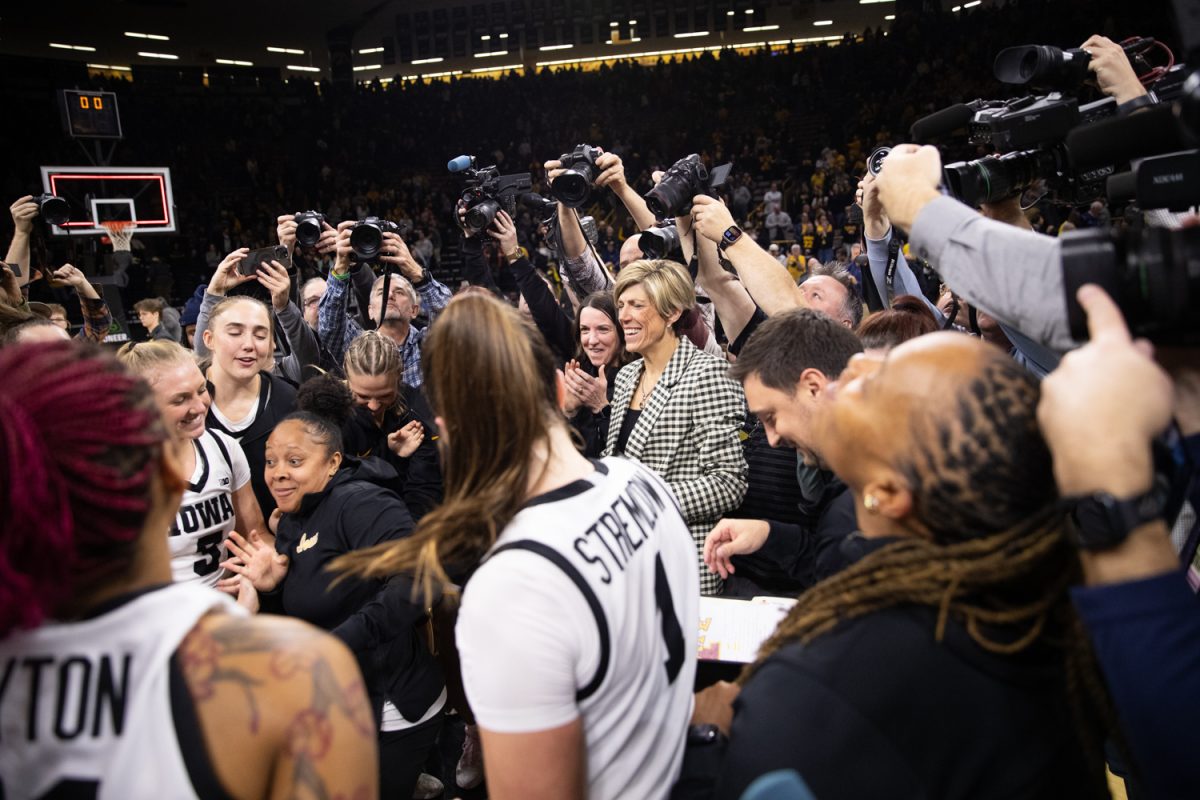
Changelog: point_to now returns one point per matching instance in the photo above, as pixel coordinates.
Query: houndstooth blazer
(688, 433)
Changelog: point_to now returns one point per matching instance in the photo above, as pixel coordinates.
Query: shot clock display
(91, 115)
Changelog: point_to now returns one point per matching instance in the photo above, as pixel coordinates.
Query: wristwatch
(704, 734)
(1103, 521)
(731, 235)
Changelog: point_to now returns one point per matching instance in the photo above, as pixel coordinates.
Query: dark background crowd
(804, 118)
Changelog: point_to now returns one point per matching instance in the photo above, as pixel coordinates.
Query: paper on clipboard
(733, 630)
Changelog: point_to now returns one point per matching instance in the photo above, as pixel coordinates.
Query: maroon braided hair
(80, 442)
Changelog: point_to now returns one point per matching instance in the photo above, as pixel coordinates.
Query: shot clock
(90, 115)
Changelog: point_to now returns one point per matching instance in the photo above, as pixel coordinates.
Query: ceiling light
(973, 3)
(366, 67)
(82, 47)
(110, 66)
(233, 63)
(729, 13)
(761, 28)
(156, 36)
(555, 47)
(633, 22)
(823, 22)
(749, 10)
(485, 37)
(437, 60)
(287, 50)
(493, 53)
(164, 56)
(297, 68)
(367, 50)
(497, 69)
(956, 9)
(691, 35)
(504, 36)
(613, 24)
(890, 17)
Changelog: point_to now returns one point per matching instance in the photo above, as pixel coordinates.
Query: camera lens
(875, 160)
(480, 216)
(308, 232)
(659, 242)
(366, 240)
(573, 187)
(54, 210)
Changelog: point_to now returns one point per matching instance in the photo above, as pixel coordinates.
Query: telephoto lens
(875, 160)
(672, 197)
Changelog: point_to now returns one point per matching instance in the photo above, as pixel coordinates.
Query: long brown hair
(491, 378)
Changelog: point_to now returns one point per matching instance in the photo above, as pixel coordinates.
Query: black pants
(402, 757)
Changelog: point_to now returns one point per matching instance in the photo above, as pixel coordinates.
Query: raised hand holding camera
(908, 181)
(504, 231)
(227, 276)
(274, 277)
(396, 253)
(710, 217)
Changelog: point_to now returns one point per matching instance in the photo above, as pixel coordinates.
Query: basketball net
(120, 232)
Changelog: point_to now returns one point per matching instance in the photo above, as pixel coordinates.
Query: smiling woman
(675, 409)
(246, 400)
(218, 498)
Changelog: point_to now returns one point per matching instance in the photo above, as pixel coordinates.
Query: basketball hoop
(120, 234)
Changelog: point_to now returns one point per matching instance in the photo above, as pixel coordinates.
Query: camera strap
(383, 303)
(890, 275)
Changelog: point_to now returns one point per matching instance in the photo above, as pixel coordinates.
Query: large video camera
(1032, 131)
(487, 191)
(1152, 274)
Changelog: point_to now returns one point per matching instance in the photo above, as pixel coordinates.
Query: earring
(871, 503)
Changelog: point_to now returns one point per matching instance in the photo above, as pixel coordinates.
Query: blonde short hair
(666, 283)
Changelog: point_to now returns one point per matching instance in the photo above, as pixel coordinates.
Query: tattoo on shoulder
(309, 736)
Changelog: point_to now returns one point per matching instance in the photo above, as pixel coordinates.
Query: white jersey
(205, 516)
(587, 608)
(85, 707)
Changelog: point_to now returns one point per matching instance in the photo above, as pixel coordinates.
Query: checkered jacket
(688, 434)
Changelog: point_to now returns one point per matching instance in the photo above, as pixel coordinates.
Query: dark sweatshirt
(375, 618)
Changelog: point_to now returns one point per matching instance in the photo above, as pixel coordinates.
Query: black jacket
(276, 399)
(418, 477)
(879, 708)
(593, 427)
(375, 618)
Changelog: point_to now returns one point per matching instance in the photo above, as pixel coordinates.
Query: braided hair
(79, 447)
(992, 553)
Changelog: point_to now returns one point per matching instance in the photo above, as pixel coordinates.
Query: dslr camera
(366, 237)
(487, 191)
(686, 178)
(574, 186)
(53, 208)
(308, 227)
(659, 241)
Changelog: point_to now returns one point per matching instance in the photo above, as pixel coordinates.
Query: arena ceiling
(379, 38)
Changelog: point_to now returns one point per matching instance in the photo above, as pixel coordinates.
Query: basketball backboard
(141, 195)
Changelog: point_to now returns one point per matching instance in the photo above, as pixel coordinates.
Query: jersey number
(208, 546)
(68, 789)
(672, 633)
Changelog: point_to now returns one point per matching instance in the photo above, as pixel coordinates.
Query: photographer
(580, 262)
(768, 282)
(406, 292)
(878, 233)
(23, 211)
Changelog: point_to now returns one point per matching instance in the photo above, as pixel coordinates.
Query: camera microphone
(459, 164)
(941, 122)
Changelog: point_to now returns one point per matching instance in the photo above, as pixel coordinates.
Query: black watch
(731, 235)
(1103, 521)
(704, 734)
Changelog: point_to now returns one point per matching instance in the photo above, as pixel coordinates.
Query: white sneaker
(427, 788)
(469, 772)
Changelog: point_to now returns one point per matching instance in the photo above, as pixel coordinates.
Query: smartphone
(249, 265)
